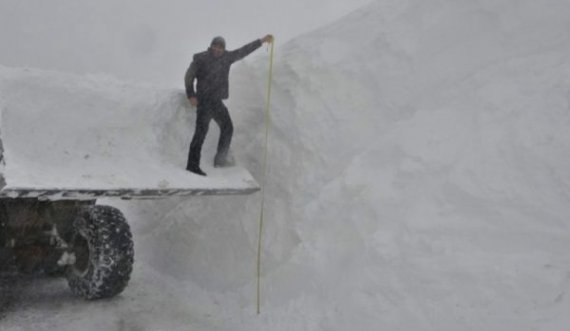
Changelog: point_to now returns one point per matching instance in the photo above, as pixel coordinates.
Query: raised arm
(244, 51)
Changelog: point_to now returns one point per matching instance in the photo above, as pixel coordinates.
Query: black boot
(196, 170)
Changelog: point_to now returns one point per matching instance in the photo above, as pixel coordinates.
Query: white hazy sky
(146, 40)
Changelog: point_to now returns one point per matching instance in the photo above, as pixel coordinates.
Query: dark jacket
(212, 73)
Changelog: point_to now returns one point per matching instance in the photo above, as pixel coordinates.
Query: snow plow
(68, 141)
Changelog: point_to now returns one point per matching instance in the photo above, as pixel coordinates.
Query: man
(210, 70)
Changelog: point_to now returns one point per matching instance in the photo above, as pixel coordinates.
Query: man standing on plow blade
(210, 70)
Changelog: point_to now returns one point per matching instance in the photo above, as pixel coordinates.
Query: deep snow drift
(419, 180)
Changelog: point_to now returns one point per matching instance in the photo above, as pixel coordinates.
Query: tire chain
(111, 253)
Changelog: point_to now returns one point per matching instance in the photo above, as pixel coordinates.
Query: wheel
(103, 251)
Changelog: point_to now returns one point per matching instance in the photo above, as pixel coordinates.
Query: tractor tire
(103, 248)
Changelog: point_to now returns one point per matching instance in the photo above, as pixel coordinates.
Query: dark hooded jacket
(212, 73)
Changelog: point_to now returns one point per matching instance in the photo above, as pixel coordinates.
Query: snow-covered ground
(419, 179)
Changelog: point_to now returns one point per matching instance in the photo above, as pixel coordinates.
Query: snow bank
(424, 147)
(418, 180)
(418, 175)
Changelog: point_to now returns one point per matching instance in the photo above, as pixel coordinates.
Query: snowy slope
(425, 149)
(418, 180)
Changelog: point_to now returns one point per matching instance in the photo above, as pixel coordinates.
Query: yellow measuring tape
(267, 124)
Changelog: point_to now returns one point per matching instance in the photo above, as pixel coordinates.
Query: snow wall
(419, 176)
(419, 179)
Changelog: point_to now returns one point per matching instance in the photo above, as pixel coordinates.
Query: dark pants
(208, 110)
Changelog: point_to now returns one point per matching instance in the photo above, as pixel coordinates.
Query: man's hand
(193, 101)
(267, 39)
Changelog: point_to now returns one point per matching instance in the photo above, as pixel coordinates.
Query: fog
(146, 41)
